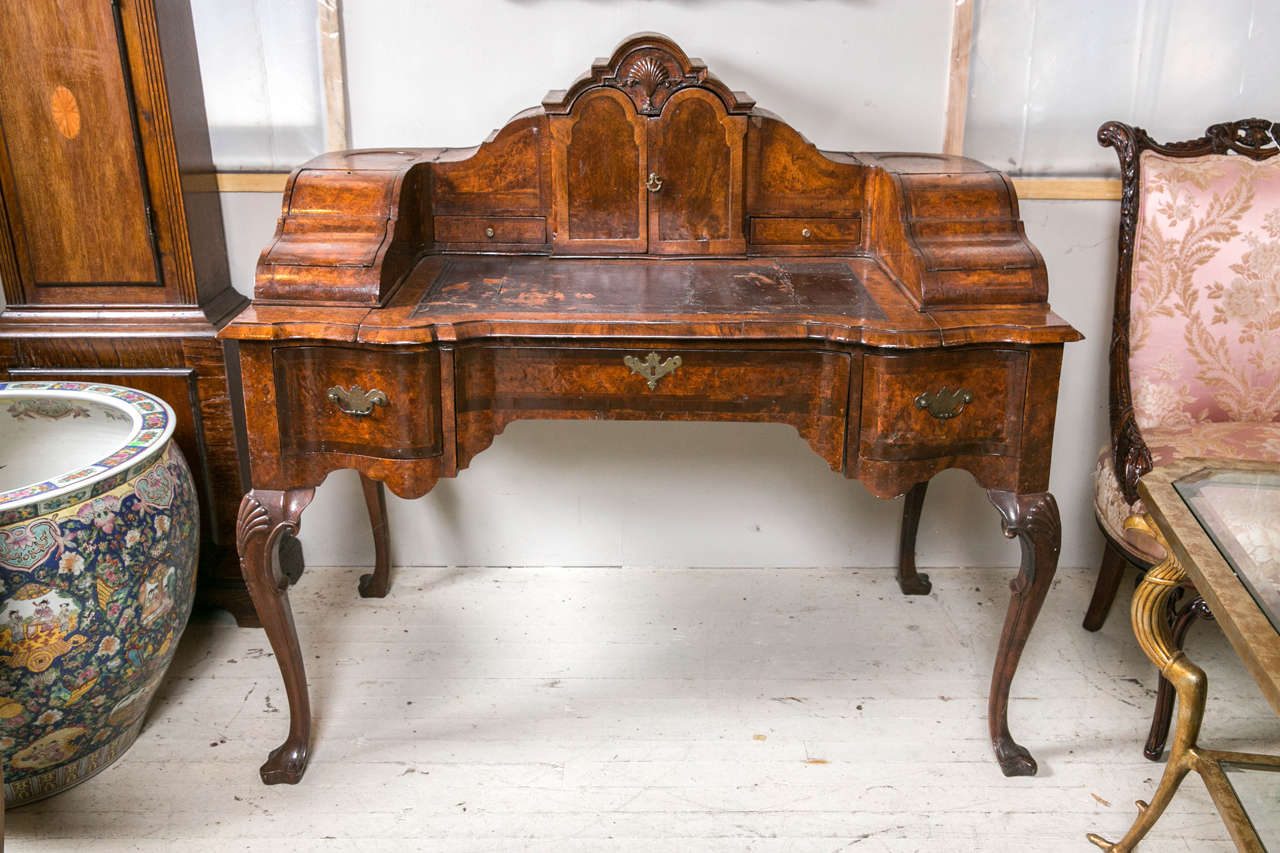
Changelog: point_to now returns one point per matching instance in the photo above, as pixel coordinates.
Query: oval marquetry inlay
(66, 112)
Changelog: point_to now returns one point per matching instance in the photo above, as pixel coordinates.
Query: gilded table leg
(1151, 627)
(910, 581)
(1163, 714)
(1033, 518)
(375, 585)
(265, 516)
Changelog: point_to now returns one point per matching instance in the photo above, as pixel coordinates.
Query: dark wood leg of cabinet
(1034, 520)
(375, 585)
(265, 517)
(910, 581)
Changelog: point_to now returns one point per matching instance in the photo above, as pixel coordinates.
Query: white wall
(851, 76)
(868, 74)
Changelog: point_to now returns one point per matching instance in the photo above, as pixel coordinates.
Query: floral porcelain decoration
(97, 569)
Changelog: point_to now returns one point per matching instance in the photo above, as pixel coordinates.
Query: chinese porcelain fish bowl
(99, 534)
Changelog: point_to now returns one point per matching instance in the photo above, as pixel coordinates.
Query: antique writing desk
(647, 245)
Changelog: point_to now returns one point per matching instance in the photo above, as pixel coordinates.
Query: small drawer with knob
(818, 234)
(481, 231)
(341, 399)
(930, 404)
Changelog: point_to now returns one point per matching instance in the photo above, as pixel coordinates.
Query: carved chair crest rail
(648, 244)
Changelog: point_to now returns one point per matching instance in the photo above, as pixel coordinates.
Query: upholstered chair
(1195, 342)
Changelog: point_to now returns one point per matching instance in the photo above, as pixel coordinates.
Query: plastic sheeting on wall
(260, 64)
(1045, 74)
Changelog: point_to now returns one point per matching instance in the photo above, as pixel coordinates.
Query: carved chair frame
(1258, 139)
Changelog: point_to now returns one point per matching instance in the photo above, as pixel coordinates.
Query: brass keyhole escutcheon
(489, 232)
(355, 400)
(654, 183)
(652, 368)
(945, 403)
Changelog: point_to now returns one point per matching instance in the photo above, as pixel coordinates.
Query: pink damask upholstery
(1224, 440)
(1204, 326)
(1205, 311)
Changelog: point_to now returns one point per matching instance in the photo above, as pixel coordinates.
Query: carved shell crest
(649, 74)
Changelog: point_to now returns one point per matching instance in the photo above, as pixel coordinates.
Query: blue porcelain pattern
(96, 594)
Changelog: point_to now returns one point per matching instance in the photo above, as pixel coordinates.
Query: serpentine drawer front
(806, 389)
(928, 404)
(332, 399)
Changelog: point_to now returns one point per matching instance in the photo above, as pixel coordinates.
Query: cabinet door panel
(74, 190)
(598, 171)
(695, 149)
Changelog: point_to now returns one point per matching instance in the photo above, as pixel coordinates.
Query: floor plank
(587, 709)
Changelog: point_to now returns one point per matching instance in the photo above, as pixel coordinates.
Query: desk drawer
(942, 403)
(332, 399)
(490, 229)
(807, 389)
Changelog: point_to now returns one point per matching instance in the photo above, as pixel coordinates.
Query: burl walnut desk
(647, 245)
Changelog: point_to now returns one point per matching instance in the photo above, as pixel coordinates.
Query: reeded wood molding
(160, 146)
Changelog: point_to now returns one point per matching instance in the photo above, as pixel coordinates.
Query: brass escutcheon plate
(652, 368)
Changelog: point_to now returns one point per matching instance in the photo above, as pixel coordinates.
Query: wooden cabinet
(111, 246)
(667, 185)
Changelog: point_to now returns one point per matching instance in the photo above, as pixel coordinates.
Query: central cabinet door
(669, 184)
(695, 160)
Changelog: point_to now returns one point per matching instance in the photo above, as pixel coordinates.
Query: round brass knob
(806, 233)
(654, 183)
(489, 232)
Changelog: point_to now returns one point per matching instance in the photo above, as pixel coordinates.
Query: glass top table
(1240, 510)
(1217, 525)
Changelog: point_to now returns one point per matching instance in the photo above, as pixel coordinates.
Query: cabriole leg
(375, 585)
(1033, 519)
(265, 516)
(910, 581)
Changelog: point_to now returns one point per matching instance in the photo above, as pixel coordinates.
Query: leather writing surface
(630, 287)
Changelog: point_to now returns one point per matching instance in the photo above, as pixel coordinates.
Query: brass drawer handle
(654, 183)
(355, 400)
(945, 404)
(650, 368)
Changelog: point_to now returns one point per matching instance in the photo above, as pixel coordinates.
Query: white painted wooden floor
(650, 710)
